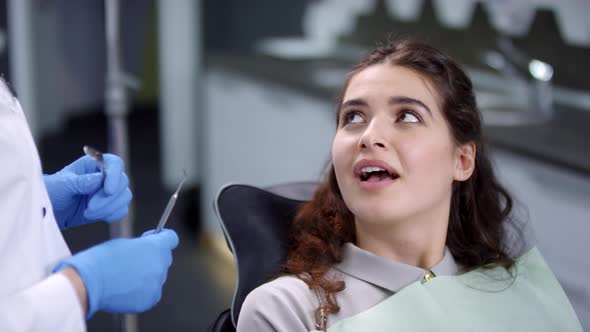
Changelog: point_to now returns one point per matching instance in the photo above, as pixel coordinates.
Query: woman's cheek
(342, 148)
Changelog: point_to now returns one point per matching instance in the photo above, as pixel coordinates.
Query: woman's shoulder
(285, 303)
(287, 285)
(285, 290)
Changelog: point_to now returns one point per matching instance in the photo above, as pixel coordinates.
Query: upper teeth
(372, 169)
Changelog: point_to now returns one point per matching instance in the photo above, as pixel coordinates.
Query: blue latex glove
(81, 194)
(125, 275)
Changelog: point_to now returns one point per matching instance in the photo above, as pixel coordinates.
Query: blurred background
(243, 91)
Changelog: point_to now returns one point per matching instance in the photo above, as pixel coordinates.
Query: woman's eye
(408, 117)
(353, 117)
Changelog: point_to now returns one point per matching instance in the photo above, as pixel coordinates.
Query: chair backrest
(255, 223)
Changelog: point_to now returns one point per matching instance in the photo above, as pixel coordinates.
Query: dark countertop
(562, 141)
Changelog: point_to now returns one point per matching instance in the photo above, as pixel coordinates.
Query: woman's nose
(371, 139)
(364, 145)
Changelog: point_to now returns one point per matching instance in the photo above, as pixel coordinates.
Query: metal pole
(21, 29)
(116, 104)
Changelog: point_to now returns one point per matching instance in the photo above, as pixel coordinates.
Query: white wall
(260, 134)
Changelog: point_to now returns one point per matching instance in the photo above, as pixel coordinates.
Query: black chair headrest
(255, 223)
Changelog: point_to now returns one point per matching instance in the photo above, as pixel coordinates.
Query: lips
(366, 169)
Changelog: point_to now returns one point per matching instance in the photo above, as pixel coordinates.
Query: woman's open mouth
(374, 174)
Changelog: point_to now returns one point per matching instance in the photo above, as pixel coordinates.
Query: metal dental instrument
(95, 154)
(170, 205)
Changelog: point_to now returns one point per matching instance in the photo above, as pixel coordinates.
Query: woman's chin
(378, 215)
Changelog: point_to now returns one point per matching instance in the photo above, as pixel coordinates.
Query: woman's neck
(417, 242)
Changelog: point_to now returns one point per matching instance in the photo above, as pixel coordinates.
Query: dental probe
(96, 155)
(169, 206)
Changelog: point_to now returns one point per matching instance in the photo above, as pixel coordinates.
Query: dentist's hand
(125, 275)
(81, 194)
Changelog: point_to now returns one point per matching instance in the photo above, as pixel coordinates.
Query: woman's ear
(464, 161)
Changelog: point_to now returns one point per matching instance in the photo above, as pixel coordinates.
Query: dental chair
(255, 223)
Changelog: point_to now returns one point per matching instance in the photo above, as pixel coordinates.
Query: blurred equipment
(528, 97)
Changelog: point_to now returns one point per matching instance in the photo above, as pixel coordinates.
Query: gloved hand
(81, 194)
(125, 275)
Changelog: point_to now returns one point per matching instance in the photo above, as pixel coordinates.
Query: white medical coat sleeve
(31, 297)
(50, 305)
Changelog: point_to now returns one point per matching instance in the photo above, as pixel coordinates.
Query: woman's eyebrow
(407, 100)
(392, 101)
(354, 102)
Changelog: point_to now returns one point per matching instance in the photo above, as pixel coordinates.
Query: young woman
(410, 231)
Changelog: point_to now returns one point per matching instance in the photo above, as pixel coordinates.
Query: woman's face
(393, 153)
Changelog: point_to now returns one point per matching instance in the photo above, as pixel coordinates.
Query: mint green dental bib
(526, 298)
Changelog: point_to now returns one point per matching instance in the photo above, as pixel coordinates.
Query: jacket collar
(388, 274)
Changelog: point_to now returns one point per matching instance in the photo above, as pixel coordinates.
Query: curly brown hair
(480, 206)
